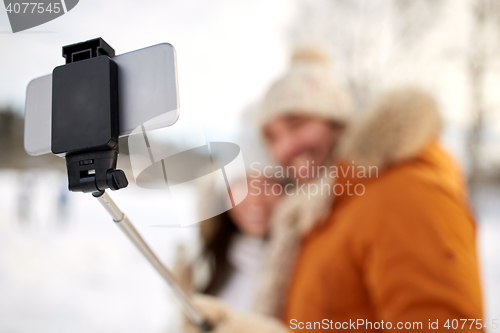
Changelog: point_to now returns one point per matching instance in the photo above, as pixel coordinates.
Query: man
(398, 253)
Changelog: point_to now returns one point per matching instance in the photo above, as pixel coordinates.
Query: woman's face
(251, 216)
(302, 142)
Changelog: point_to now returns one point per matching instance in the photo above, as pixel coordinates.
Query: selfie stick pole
(193, 314)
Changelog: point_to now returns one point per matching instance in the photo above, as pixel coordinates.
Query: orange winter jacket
(401, 254)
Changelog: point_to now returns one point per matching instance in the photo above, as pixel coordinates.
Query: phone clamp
(85, 117)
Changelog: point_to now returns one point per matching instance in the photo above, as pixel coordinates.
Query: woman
(232, 246)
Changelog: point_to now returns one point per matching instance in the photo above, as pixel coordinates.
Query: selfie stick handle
(193, 314)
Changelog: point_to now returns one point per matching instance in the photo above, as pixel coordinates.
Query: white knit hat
(307, 88)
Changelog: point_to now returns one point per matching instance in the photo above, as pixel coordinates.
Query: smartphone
(147, 89)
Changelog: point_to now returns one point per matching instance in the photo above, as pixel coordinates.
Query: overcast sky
(228, 52)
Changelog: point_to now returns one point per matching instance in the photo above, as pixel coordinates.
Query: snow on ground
(487, 207)
(78, 272)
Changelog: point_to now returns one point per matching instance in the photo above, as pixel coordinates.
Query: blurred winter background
(65, 267)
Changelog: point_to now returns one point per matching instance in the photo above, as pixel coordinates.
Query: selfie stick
(124, 224)
(85, 127)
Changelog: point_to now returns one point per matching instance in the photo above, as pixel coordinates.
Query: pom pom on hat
(311, 53)
(307, 88)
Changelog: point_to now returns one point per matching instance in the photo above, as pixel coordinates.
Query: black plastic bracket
(94, 171)
(85, 117)
(86, 50)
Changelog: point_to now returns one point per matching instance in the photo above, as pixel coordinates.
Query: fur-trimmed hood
(397, 128)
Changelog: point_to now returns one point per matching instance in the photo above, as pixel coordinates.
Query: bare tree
(365, 35)
(486, 21)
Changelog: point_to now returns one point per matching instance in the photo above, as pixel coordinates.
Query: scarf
(292, 219)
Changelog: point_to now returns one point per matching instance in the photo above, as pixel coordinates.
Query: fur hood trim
(397, 128)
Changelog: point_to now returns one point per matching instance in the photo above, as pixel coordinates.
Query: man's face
(302, 141)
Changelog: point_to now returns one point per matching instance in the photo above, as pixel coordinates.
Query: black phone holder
(85, 117)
